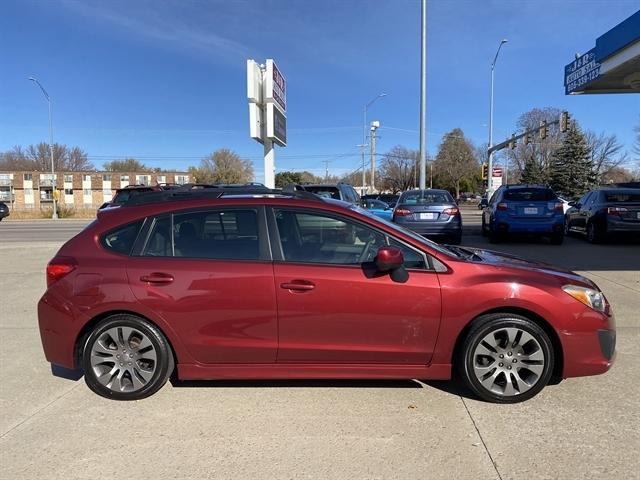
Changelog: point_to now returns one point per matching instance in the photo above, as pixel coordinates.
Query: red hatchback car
(220, 285)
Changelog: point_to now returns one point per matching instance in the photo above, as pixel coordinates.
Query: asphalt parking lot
(53, 428)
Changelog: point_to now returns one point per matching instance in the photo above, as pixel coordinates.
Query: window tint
(159, 243)
(529, 194)
(316, 238)
(122, 239)
(423, 197)
(223, 234)
(622, 197)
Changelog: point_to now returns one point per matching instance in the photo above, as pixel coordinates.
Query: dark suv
(605, 212)
(218, 283)
(337, 191)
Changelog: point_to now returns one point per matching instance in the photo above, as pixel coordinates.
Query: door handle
(157, 278)
(298, 285)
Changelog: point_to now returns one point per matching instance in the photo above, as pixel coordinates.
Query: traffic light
(485, 171)
(544, 130)
(564, 121)
(527, 138)
(512, 142)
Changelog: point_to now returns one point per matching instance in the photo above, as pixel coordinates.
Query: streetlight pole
(490, 162)
(53, 178)
(364, 138)
(423, 98)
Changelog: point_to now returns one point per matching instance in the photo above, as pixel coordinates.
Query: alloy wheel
(508, 361)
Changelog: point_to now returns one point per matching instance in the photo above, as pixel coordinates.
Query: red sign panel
(497, 172)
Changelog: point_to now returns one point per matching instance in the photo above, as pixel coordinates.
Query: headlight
(591, 298)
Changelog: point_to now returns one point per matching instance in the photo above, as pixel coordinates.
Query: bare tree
(605, 152)
(636, 144)
(38, 157)
(455, 161)
(398, 169)
(223, 166)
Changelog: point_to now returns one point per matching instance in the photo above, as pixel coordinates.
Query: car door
(579, 220)
(208, 273)
(333, 307)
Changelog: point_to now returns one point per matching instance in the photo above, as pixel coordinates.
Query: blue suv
(533, 209)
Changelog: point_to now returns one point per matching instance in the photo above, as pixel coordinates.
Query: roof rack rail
(208, 191)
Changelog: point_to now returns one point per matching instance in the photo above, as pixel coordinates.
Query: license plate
(427, 216)
(530, 211)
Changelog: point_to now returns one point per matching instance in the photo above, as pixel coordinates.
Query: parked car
(483, 202)
(337, 191)
(524, 209)
(602, 213)
(389, 198)
(378, 208)
(124, 194)
(432, 213)
(278, 285)
(4, 210)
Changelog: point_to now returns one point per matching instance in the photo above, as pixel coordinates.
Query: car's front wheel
(126, 358)
(506, 358)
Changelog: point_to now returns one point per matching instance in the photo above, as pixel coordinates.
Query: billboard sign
(275, 86)
(580, 72)
(256, 122)
(276, 125)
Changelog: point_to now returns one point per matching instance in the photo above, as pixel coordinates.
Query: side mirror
(573, 204)
(389, 259)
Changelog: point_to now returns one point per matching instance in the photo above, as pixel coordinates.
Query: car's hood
(500, 259)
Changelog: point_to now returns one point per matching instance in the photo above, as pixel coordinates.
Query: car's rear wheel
(594, 234)
(506, 358)
(483, 229)
(126, 358)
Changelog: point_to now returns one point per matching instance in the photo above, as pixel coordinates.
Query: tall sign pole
(267, 94)
(423, 99)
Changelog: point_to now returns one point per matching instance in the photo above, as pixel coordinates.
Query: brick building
(79, 190)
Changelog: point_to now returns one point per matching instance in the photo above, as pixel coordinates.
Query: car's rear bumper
(546, 226)
(59, 329)
(621, 226)
(434, 228)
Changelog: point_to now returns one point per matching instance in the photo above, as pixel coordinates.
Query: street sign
(497, 172)
(276, 125)
(496, 182)
(254, 82)
(580, 72)
(275, 86)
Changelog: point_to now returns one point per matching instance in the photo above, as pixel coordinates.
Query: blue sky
(164, 81)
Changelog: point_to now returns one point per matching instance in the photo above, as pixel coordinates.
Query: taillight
(617, 211)
(502, 206)
(401, 212)
(451, 211)
(58, 268)
(559, 207)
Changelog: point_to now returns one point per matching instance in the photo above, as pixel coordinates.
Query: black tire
(163, 364)
(496, 324)
(594, 233)
(556, 238)
(483, 229)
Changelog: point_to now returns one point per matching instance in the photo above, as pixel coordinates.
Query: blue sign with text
(580, 72)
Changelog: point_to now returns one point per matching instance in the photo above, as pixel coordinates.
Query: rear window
(622, 197)
(122, 239)
(123, 196)
(425, 197)
(529, 194)
(325, 192)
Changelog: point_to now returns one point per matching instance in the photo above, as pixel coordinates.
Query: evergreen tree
(532, 173)
(572, 170)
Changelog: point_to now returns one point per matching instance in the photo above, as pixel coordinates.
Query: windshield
(398, 228)
(325, 192)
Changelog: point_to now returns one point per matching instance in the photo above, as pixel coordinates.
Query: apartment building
(78, 190)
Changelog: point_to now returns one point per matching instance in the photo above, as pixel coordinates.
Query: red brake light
(401, 212)
(58, 268)
(615, 210)
(559, 207)
(502, 206)
(451, 211)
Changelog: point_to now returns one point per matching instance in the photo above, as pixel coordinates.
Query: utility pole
(423, 98)
(54, 216)
(364, 138)
(374, 126)
(326, 169)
